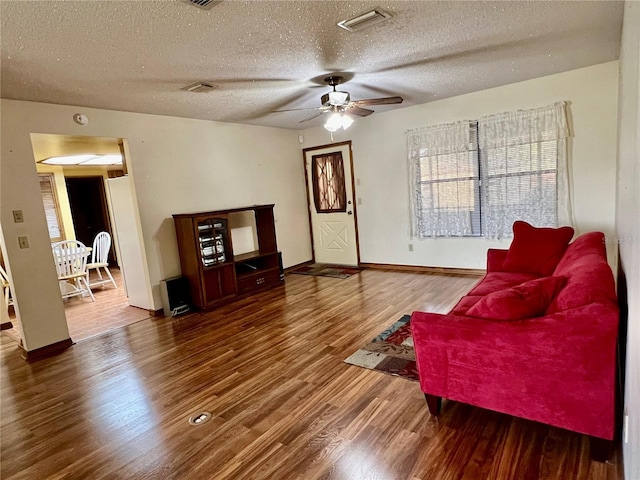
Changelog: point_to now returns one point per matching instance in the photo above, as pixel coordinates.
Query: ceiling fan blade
(360, 112)
(296, 109)
(316, 115)
(378, 101)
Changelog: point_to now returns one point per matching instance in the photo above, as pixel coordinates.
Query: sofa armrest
(495, 259)
(558, 369)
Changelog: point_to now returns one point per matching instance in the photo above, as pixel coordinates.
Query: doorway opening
(89, 210)
(78, 206)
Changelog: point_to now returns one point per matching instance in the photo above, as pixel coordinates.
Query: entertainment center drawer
(247, 283)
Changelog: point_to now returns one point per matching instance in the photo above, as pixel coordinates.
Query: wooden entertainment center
(216, 274)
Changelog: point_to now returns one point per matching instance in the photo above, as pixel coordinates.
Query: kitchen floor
(87, 319)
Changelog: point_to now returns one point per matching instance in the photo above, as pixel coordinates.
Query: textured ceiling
(271, 55)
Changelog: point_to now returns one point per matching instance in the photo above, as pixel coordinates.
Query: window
(329, 194)
(522, 187)
(447, 201)
(477, 178)
(51, 209)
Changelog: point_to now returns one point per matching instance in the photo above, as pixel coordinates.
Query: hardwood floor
(284, 405)
(87, 319)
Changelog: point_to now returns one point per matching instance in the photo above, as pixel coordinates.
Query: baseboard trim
(156, 313)
(46, 351)
(300, 265)
(464, 272)
(6, 325)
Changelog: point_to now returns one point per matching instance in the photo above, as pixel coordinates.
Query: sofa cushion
(591, 281)
(527, 300)
(464, 304)
(589, 275)
(494, 281)
(586, 244)
(536, 250)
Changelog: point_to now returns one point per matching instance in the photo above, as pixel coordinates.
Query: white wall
(181, 165)
(177, 165)
(380, 162)
(32, 272)
(628, 223)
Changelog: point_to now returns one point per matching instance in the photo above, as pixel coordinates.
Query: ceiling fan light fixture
(346, 121)
(338, 120)
(364, 20)
(334, 122)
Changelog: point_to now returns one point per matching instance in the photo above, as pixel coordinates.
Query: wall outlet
(23, 241)
(411, 247)
(17, 216)
(625, 428)
(359, 201)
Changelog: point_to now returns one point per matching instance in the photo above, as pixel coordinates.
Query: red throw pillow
(527, 300)
(536, 250)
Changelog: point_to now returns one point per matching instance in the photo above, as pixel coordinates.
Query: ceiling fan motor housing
(335, 98)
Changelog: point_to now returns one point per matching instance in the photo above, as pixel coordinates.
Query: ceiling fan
(339, 104)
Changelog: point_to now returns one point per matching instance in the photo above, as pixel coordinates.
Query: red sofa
(556, 365)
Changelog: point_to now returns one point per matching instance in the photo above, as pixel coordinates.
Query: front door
(331, 204)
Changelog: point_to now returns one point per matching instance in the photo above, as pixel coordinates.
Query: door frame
(346, 143)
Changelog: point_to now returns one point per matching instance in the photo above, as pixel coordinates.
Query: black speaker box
(176, 296)
(280, 265)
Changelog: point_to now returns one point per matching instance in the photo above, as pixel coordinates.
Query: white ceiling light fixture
(346, 121)
(113, 159)
(67, 160)
(338, 120)
(334, 122)
(365, 20)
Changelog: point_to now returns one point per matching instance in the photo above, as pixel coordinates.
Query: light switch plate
(17, 216)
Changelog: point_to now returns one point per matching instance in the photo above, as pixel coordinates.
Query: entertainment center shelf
(216, 275)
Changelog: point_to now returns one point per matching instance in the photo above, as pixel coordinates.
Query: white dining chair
(99, 259)
(6, 287)
(71, 263)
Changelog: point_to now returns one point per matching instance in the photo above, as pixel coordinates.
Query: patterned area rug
(390, 352)
(323, 270)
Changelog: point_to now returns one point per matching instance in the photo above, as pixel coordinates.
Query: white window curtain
(444, 180)
(523, 163)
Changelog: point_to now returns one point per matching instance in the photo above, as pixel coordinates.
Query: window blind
(522, 158)
(477, 178)
(445, 177)
(50, 207)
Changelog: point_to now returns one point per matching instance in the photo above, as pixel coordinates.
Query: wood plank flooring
(110, 310)
(284, 405)
(87, 319)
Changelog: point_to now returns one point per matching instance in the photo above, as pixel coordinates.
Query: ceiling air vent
(204, 4)
(365, 20)
(200, 87)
